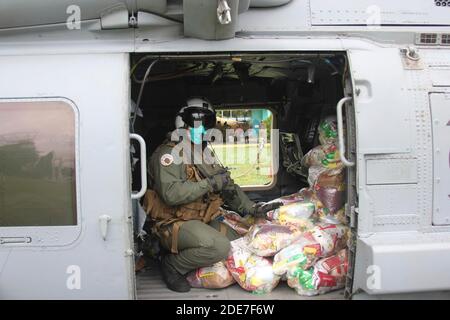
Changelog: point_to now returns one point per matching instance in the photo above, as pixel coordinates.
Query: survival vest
(205, 208)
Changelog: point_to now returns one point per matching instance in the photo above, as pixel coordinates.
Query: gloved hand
(261, 208)
(219, 181)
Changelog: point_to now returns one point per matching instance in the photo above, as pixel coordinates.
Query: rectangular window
(246, 147)
(37, 164)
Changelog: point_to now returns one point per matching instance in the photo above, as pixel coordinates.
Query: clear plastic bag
(267, 239)
(285, 200)
(216, 276)
(322, 241)
(323, 214)
(332, 237)
(235, 221)
(326, 156)
(326, 177)
(295, 197)
(253, 273)
(329, 195)
(328, 130)
(332, 198)
(327, 274)
(301, 254)
(297, 214)
(331, 178)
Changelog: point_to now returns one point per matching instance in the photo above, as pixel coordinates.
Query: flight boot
(174, 280)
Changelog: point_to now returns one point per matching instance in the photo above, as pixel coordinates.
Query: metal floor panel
(150, 286)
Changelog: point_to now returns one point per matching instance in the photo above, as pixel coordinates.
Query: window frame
(50, 236)
(259, 105)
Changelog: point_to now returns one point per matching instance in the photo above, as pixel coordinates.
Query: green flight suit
(199, 244)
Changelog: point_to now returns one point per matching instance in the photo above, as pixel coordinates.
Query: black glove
(219, 181)
(261, 208)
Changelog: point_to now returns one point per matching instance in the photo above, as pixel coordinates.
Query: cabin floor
(150, 286)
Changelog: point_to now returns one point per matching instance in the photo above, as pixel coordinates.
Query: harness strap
(175, 231)
(223, 229)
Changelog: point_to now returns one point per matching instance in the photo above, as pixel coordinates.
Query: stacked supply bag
(318, 261)
(303, 242)
(252, 272)
(215, 277)
(326, 175)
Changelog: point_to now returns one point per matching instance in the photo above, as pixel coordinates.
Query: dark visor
(194, 117)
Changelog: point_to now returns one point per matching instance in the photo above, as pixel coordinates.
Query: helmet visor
(194, 117)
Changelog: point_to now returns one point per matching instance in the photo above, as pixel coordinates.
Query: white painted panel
(403, 262)
(393, 200)
(382, 108)
(290, 17)
(20, 13)
(440, 111)
(440, 77)
(362, 12)
(98, 84)
(391, 171)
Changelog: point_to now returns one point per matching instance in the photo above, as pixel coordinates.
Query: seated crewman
(185, 200)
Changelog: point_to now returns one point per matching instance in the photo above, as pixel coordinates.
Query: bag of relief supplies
(327, 177)
(216, 276)
(328, 133)
(327, 274)
(303, 253)
(326, 156)
(291, 198)
(332, 237)
(302, 195)
(253, 273)
(297, 214)
(322, 241)
(267, 239)
(329, 196)
(232, 219)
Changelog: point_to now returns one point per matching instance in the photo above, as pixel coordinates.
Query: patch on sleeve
(166, 159)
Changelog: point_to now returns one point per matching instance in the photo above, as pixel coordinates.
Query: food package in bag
(267, 239)
(297, 214)
(331, 178)
(328, 130)
(326, 177)
(304, 195)
(314, 173)
(332, 198)
(253, 273)
(303, 253)
(326, 156)
(216, 276)
(329, 196)
(235, 221)
(324, 215)
(327, 274)
(332, 237)
(291, 198)
(321, 241)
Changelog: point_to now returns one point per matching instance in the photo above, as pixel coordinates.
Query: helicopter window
(245, 147)
(37, 164)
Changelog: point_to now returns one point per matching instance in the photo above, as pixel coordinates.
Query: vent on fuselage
(445, 39)
(433, 39)
(428, 38)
